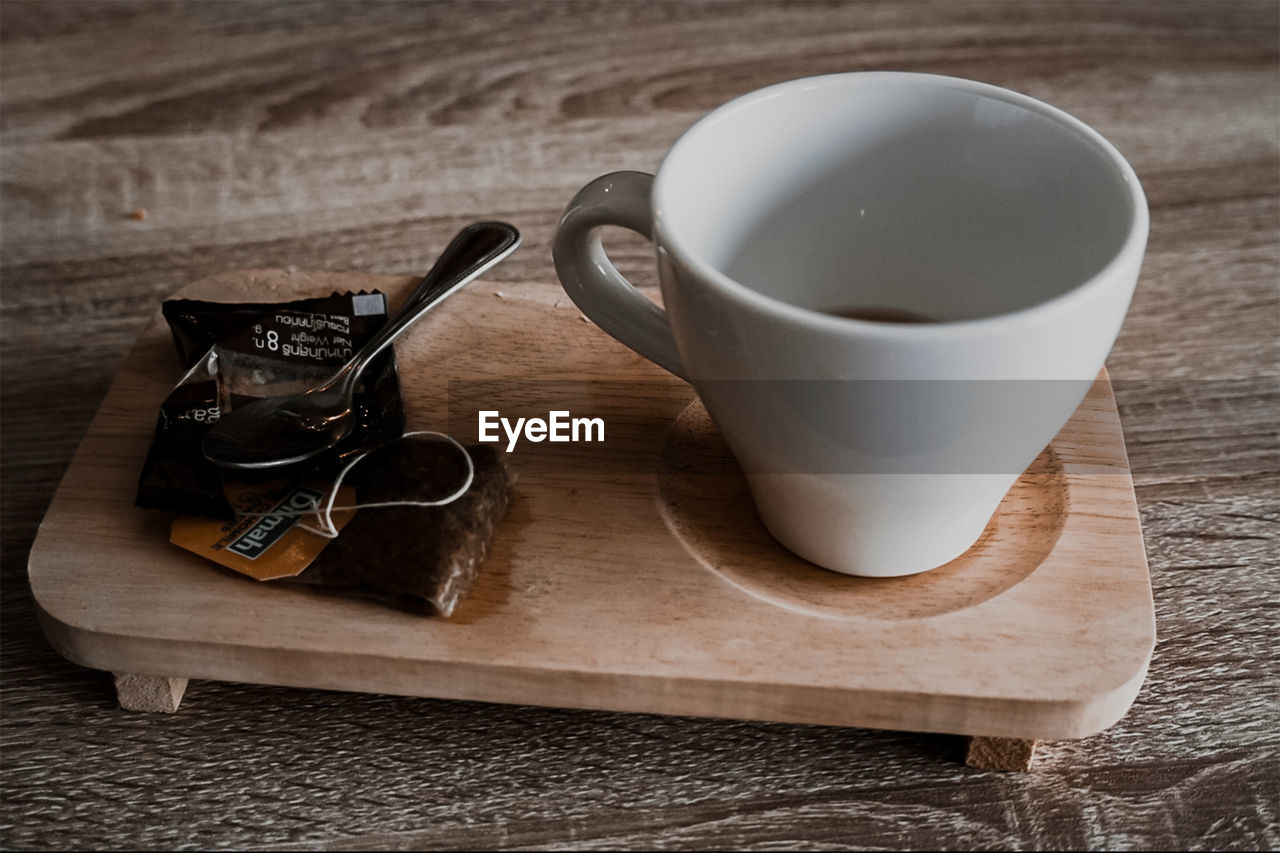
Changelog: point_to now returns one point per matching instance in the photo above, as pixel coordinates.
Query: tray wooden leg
(1000, 753)
(155, 693)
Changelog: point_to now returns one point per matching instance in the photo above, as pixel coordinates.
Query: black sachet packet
(233, 353)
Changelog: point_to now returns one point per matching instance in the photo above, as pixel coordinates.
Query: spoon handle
(475, 249)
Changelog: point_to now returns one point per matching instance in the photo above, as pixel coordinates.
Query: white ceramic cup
(874, 448)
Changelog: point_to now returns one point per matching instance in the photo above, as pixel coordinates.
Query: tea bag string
(324, 513)
(327, 528)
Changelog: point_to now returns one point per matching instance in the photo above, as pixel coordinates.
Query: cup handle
(592, 281)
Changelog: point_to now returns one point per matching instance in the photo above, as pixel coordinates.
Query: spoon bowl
(290, 429)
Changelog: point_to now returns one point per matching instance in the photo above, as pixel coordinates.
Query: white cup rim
(1130, 250)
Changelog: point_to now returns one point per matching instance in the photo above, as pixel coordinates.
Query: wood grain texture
(155, 694)
(1000, 753)
(351, 136)
(607, 586)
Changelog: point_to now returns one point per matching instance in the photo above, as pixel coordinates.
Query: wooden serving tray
(629, 575)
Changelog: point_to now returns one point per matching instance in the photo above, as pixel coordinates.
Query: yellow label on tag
(268, 538)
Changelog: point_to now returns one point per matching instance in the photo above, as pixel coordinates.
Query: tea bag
(423, 557)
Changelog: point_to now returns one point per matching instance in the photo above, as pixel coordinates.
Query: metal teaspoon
(278, 431)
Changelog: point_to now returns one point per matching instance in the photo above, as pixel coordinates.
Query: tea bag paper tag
(269, 538)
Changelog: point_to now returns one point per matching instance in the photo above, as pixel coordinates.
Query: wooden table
(360, 137)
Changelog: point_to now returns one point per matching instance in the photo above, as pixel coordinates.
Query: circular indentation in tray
(707, 504)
